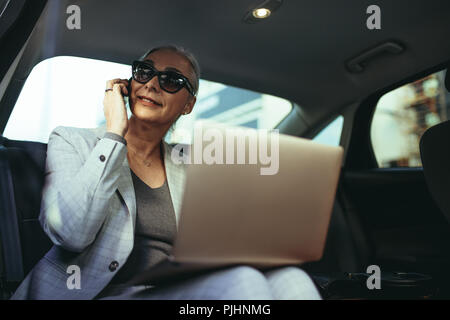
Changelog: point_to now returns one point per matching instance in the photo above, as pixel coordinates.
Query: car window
(402, 116)
(69, 91)
(331, 134)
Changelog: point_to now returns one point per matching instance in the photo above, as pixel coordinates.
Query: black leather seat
(435, 154)
(23, 242)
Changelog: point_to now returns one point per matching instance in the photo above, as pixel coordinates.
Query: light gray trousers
(236, 283)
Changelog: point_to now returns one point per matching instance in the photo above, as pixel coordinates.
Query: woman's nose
(153, 84)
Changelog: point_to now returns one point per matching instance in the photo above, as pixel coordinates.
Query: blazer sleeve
(77, 191)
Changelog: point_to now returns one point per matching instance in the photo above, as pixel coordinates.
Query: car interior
(321, 56)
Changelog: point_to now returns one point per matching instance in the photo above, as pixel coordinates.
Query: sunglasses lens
(142, 73)
(171, 82)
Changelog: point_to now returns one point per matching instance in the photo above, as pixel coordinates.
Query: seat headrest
(435, 154)
(37, 151)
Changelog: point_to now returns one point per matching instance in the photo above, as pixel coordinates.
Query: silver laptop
(233, 214)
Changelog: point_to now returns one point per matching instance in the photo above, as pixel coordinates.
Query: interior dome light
(261, 13)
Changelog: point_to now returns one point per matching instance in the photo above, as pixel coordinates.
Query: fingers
(120, 88)
(110, 83)
(125, 89)
(114, 94)
(123, 84)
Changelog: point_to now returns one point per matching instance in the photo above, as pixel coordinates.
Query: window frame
(360, 154)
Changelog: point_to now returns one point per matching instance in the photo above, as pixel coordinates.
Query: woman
(112, 198)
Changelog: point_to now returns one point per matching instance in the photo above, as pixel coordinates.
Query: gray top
(155, 229)
(154, 233)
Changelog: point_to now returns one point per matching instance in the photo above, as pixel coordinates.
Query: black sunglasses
(169, 81)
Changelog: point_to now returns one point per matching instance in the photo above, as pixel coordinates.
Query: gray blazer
(88, 210)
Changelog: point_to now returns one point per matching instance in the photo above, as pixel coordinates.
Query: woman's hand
(114, 106)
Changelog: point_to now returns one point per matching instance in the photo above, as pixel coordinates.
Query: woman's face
(166, 107)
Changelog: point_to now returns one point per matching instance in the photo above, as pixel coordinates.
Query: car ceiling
(299, 53)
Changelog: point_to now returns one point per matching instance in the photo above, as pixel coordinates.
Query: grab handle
(356, 64)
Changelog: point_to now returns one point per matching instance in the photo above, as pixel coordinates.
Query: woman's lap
(291, 283)
(236, 283)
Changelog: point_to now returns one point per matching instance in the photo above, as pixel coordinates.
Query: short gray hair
(185, 53)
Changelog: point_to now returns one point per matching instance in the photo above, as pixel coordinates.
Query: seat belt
(9, 228)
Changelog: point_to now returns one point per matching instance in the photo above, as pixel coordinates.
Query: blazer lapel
(126, 189)
(175, 179)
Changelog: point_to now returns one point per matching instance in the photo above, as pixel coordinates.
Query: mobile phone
(128, 87)
(126, 96)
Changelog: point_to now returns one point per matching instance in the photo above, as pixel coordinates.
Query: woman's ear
(189, 105)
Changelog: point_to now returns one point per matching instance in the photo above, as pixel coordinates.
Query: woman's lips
(149, 102)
